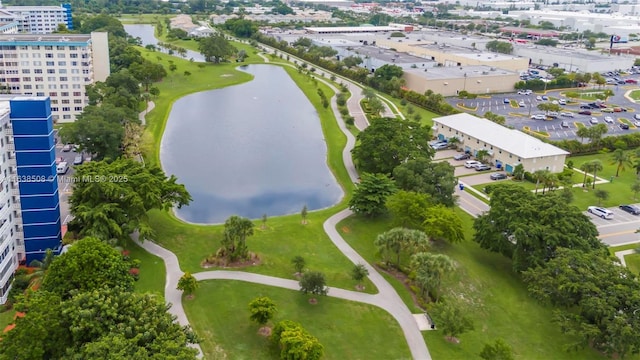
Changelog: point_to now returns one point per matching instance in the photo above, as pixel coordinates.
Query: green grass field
(152, 271)
(346, 329)
(496, 299)
(6, 318)
(635, 94)
(633, 262)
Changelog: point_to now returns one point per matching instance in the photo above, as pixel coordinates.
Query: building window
(39, 78)
(66, 117)
(77, 93)
(52, 86)
(26, 71)
(62, 71)
(54, 108)
(37, 63)
(61, 55)
(37, 71)
(519, 160)
(48, 55)
(51, 63)
(36, 55)
(51, 78)
(40, 94)
(64, 93)
(48, 47)
(65, 101)
(51, 71)
(26, 78)
(77, 101)
(78, 108)
(54, 102)
(53, 93)
(66, 108)
(62, 63)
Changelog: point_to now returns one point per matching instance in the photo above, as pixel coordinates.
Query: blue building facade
(36, 174)
(69, 12)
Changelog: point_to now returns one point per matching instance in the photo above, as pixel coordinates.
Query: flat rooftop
(46, 37)
(351, 29)
(390, 55)
(511, 140)
(568, 52)
(32, 8)
(468, 53)
(457, 72)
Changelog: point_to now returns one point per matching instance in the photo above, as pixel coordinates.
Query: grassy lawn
(619, 190)
(635, 94)
(633, 263)
(6, 318)
(496, 299)
(614, 250)
(285, 237)
(152, 270)
(346, 329)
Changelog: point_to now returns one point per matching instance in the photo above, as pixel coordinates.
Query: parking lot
(519, 117)
(619, 217)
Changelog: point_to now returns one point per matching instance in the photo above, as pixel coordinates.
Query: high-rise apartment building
(38, 19)
(29, 201)
(59, 66)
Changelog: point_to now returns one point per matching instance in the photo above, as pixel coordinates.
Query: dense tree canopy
(111, 200)
(387, 143)
(295, 343)
(433, 178)
(371, 194)
(529, 228)
(89, 264)
(408, 208)
(104, 323)
(216, 48)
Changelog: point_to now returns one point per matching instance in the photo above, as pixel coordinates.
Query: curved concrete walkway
(387, 298)
(143, 114)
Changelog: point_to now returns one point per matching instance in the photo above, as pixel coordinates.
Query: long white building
(57, 65)
(38, 19)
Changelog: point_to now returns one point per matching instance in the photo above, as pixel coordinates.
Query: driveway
(481, 178)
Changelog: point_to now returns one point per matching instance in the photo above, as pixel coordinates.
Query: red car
(631, 81)
(585, 112)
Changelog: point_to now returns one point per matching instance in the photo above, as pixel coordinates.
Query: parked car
(522, 104)
(593, 120)
(619, 109)
(506, 101)
(67, 147)
(562, 102)
(440, 146)
(483, 167)
(585, 112)
(637, 123)
(636, 116)
(584, 106)
(78, 160)
(567, 114)
(624, 126)
(545, 97)
(608, 119)
(538, 117)
(631, 81)
(463, 156)
(631, 209)
(539, 98)
(471, 164)
(601, 212)
(564, 124)
(498, 176)
(607, 110)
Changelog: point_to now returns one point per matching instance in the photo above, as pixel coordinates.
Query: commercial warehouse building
(449, 81)
(29, 201)
(507, 148)
(58, 65)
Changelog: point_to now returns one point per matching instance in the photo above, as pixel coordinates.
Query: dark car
(464, 156)
(624, 126)
(498, 176)
(585, 107)
(631, 209)
(585, 112)
(483, 167)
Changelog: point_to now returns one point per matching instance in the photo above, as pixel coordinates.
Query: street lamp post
(464, 87)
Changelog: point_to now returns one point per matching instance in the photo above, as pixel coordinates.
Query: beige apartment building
(56, 65)
(507, 148)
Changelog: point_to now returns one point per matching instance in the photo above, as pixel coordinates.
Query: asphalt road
(65, 182)
(618, 231)
(520, 117)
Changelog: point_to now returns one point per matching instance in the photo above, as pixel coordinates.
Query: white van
(601, 212)
(62, 168)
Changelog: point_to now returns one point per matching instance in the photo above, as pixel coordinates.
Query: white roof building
(506, 147)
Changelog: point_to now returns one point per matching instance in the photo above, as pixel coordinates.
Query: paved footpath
(387, 298)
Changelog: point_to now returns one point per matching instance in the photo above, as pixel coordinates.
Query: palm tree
(398, 239)
(597, 166)
(41, 268)
(481, 155)
(583, 132)
(430, 268)
(586, 167)
(541, 176)
(635, 187)
(454, 141)
(621, 158)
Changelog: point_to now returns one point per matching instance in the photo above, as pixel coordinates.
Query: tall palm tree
(430, 269)
(620, 158)
(541, 176)
(583, 132)
(41, 268)
(481, 155)
(586, 167)
(398, 239)
(597, 166)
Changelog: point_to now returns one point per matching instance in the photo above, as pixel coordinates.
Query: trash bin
(461, 186)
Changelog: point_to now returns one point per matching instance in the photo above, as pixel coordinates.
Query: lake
(146, 33)
(250, 149)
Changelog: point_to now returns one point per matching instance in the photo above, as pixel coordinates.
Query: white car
(472, 164)
(538, 117)
(440, 146)
(521, 104)
(539, 98)
(637, 123)
(593, 120)
(567, 114)
(601, 212)
(562, 102)
(608, 119)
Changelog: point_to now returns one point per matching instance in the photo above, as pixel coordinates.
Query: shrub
(349, 120)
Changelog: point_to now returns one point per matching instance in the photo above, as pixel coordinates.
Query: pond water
(146, 33)
(250, 149)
